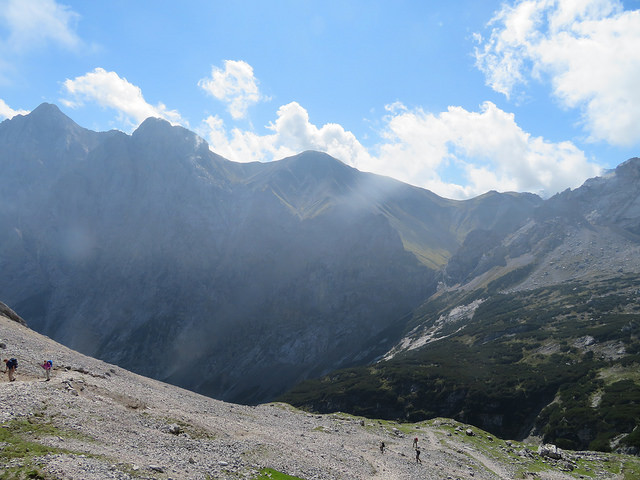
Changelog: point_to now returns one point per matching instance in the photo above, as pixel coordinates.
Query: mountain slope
(237, 281)
(539, 334)
(431, 227)
(240, 280)
(151, 224)
(94, 420)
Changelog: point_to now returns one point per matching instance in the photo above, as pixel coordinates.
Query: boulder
(550, 451)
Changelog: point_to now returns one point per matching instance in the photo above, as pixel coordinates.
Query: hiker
(418, 456)
(381, 447)
(415, 442)
(48, 365)
(10, 366)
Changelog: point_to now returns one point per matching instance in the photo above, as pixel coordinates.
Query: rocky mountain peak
(159, 140)
(38, 147)
(46, 120)
(316, 166)
(153, 126)
(49, 111)
(629, 169)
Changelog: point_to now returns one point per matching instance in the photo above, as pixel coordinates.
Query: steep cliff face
(151, 251)
(611, 200)
(234, 280)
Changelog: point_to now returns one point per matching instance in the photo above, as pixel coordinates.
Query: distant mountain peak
(152, 123)
(630, 167)
(316, 155)
(314, 163)
(47, 109)
(160, 125)
(45, 136)
(163, 133)
(49, 115)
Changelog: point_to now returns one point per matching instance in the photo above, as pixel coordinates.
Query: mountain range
(532, 333)
(239, 281)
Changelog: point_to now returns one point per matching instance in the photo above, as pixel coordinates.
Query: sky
(459, 97)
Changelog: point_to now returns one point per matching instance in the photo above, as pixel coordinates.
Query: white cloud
(237, 145)
(108, 89)
(488, 149)
(34, 23)
(292, 133)
(235, 85)
(7, 112)
(590, 51)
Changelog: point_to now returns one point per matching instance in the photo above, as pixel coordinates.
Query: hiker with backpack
(10, 366)
(48, 365)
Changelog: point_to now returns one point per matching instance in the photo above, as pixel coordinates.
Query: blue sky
(457, 97)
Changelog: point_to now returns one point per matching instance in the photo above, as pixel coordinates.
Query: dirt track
(116, 424)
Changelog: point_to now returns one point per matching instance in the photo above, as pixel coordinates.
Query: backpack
(49, 364)
(12, 363)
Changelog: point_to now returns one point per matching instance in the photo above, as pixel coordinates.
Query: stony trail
(114, 424)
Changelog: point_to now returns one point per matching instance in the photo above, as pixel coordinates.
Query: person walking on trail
(418, 456)
(415, 442)
(10, 366)
(47, 365)
(381, 447)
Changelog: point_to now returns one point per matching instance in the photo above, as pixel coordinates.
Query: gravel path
(119, 425)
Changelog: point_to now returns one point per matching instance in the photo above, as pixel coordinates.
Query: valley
(95, 420)
(308, 281)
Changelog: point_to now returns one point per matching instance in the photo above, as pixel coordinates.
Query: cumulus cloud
(589, 50)
(34, 23)
(234, 85)
(487, 147)
(291, 133)
(7, 112)
(108, 89)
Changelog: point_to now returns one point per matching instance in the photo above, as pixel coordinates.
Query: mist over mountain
(234, 280)
(241, 280)
(533, 332)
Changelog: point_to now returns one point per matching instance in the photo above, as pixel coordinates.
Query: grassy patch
(525, 460)
(270, 474)
(631, 469)
(498, 450)
(20, 438)
(616, 373)
(20, 447)
(26, 473)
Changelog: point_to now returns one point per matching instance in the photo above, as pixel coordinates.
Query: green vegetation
(572, 416)
(542, 359)
(510, 279)
(270, 474)
(20, 448)
(511, 453)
